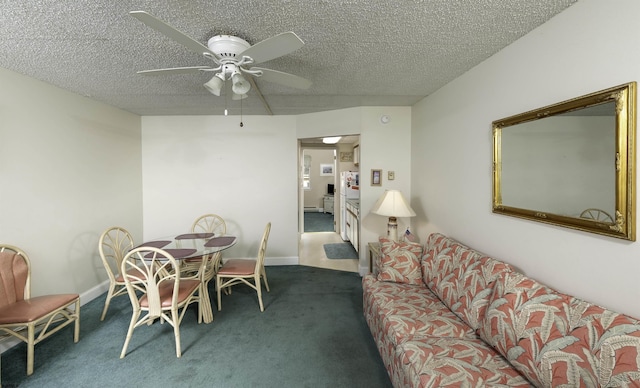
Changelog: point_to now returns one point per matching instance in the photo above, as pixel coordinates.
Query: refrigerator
(349, 189)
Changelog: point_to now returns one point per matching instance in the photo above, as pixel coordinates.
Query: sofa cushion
(558, 340)
(377, 295)
(463, 279)
(436, 242)
(468, 290)
(399, 311)
(452, 362)
(400, 262)
(403, 310)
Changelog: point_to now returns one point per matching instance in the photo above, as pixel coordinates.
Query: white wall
(591, 46)
(383, 147)
(194, 165)
(70, 168)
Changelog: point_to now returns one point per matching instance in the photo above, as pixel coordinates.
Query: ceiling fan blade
(176, 70)
(282, 78)
(274, 47)
(170, 32)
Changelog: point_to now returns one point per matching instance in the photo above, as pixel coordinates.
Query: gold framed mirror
(570, 164)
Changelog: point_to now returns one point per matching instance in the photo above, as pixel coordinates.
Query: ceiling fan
(233, 58)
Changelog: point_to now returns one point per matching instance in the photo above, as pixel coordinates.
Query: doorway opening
(319, 206)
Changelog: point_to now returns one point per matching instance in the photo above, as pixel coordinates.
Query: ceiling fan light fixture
(331, 140)
(240, 84)
(214, 85)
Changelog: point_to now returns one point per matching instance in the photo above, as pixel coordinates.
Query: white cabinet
(352, 225)
(327, 205)
(355, 234)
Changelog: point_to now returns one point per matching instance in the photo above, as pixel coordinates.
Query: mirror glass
(570, 164)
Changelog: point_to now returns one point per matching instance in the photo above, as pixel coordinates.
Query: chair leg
(132, 324)
(112, 288)
(218, 280)
(259, 290)
(176, 330)
(76, 330)
(30, 344)
(201, 293)
(264, 276)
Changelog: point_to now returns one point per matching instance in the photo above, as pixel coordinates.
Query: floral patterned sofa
(448, 315)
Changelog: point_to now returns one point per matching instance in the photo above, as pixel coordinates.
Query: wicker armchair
(23, 316)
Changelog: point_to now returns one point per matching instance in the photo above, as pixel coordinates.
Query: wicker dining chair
(113, 245)
(208, 223)
(23, 316)
(242, 271)
(157, 288)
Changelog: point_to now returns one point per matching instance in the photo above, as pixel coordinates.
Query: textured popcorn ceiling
(356, 53)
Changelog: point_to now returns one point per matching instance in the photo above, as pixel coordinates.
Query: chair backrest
(209, 223)
(114, 244)
(15, 275)
(147, 270)
(263, 246)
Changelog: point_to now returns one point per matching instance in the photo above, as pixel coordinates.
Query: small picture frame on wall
(346, 156)
(326, 170)
(376, 177)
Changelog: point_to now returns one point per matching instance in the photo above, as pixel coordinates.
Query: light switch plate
(391, 175)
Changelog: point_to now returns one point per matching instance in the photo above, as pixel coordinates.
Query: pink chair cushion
(30, 310)
(192, 260)
(133, 272)
(238, 267)
(185, 289)
(400, 262)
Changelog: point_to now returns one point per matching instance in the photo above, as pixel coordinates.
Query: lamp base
(392, 229)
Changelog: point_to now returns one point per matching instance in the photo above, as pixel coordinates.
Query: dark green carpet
(311, 334)
(340, 251)
(318, 222)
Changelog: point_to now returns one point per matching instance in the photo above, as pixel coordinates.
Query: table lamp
(393, 205)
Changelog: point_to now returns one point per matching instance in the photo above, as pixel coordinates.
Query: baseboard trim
(294, 260)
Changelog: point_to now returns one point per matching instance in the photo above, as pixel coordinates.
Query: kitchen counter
(354, 206)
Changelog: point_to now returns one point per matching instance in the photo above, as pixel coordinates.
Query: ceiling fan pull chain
(241, 125)
(226, 95)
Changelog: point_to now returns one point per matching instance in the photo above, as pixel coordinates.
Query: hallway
(312, 252)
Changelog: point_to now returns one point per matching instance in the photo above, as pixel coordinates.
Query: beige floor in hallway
(312, 252)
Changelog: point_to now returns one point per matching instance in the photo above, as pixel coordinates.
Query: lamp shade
(393, 204)
(240, 84)
(214, 85)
